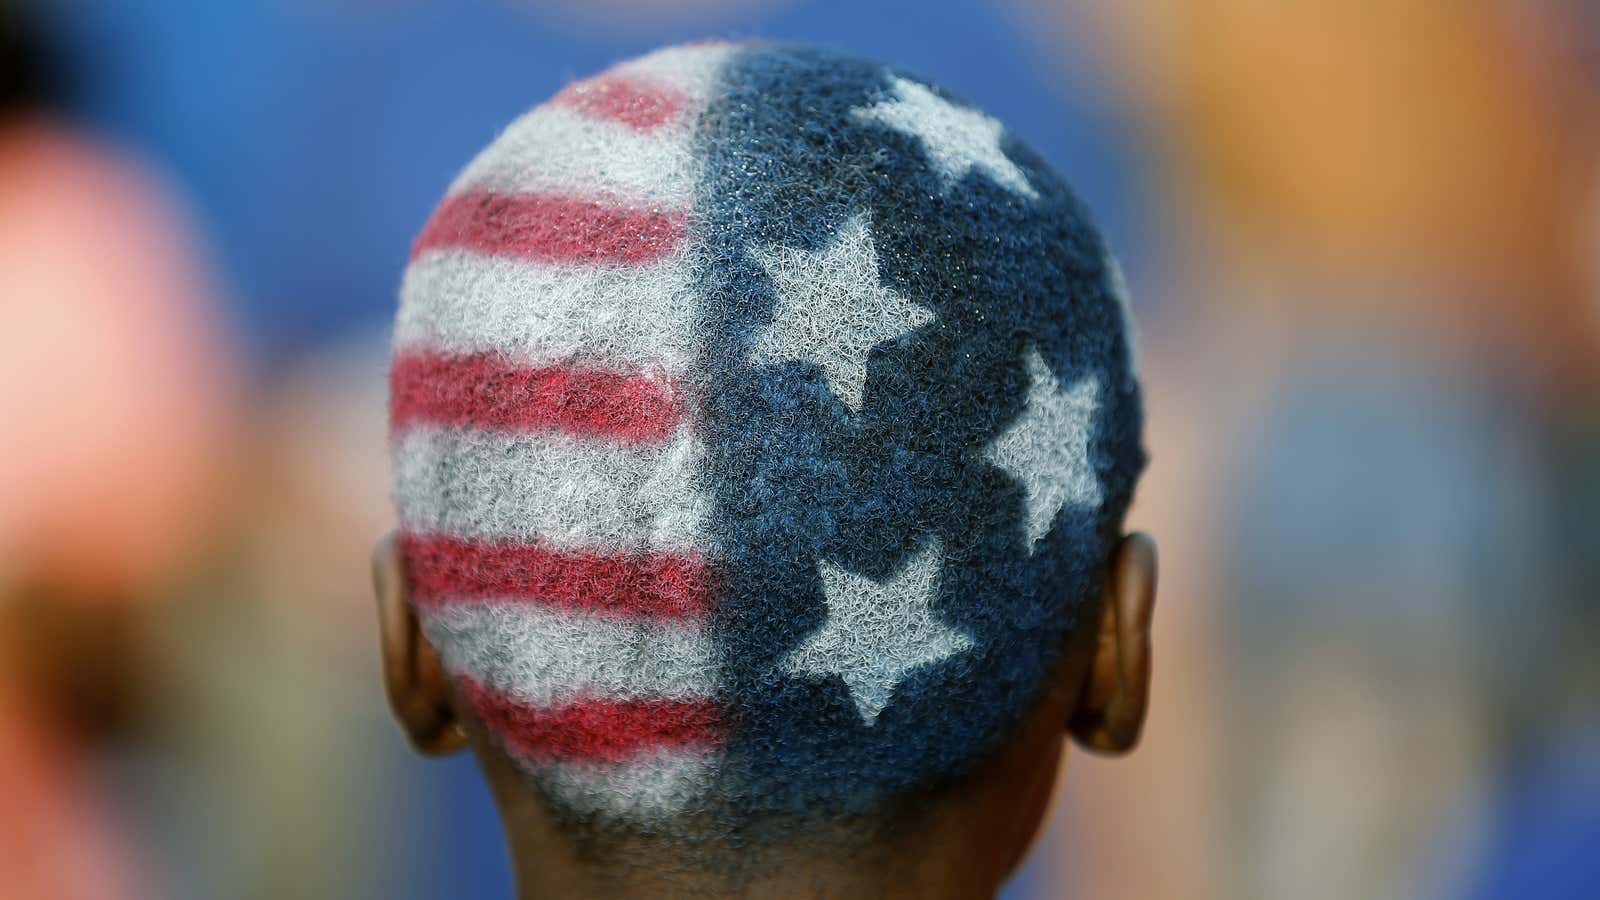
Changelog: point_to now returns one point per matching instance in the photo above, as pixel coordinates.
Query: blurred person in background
(115, 392)
(1379, 209)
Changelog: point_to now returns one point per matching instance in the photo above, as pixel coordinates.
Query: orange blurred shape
(1369, 127)
(115, 385)
(1444, 150)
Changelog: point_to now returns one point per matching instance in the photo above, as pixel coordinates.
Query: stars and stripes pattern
(545, 450)
(757, 417)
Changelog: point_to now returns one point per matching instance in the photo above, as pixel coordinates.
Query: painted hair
(761, 418)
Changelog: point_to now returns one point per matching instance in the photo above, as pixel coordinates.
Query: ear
(419, 693)
(1111, 708)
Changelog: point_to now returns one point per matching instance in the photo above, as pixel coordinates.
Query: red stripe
(597, 729)
(656, 584)
(638, 103)
(484, 391)
(551, 229)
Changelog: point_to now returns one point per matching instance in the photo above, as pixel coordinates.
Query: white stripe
(544, 656)
(461, 301)
(557, 150)
(563, 490)
(658, 784)
(692, 69)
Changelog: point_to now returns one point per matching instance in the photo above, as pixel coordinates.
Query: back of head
(761, 419)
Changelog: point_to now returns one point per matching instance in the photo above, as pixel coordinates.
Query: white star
(832, 309)
(877, 634)
(1130, 328)
(1047, 448)
(956, 139)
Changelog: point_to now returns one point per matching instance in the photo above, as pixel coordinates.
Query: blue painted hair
(800, 479)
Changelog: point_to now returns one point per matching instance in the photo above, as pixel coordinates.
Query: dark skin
(965, 844)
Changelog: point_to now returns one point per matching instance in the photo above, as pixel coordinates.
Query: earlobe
(418, 691)
(1115, 696)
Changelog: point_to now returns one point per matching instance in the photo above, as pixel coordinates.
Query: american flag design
(758, 417)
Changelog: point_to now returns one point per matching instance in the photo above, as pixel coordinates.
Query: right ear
(1111, 709)
(419, 692)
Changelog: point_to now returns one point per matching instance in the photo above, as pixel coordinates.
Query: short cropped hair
(761, 419)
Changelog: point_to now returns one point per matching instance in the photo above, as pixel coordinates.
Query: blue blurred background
(1363, 240)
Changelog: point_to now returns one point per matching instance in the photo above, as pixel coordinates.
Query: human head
(763, 422)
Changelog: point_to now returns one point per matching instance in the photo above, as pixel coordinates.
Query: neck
(961, 846)
(960, 842)
(551, 862)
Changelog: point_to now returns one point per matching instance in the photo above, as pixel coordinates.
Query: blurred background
(1363, 239)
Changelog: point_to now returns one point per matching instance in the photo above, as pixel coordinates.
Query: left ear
(1111, 709)
(419, 692)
